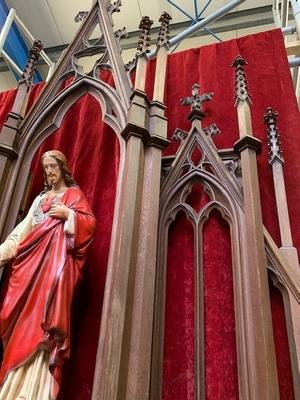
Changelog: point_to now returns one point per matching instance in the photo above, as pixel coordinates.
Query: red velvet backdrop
(219, 332)
(92, 149)
(270, 85)
(93, 153)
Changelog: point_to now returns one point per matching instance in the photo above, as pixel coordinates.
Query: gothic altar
(190, 162)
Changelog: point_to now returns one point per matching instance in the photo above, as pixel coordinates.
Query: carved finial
(31, 65)
(121, 33)
(179, 135)
(164, 31)
(275, 152)
(196, 100)
(115, 7)
(144, 39)
(130, 65)
(241, 84)
(211, 130)
(81, 16)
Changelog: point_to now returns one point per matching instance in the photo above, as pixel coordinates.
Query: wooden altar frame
(134, 306)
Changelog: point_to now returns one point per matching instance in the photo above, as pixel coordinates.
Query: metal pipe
(11, 62)
(208, 31)
(276, 14)
(196, 7)
(215, 15)
(180, 9)
(6, 27)
(294, 62)
(284, 12)
(32, 38)
(296, 11)
(204, 8)
(288, 30)
(194, 21)
(212, 33)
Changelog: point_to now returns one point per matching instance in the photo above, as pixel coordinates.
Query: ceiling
(52, 21)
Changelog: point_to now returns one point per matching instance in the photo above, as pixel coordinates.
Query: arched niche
(36, 130)
(217, 311)
(179, 316)
(197, 194)
(88, 131)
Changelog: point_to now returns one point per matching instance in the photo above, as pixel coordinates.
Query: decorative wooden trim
(225, 194)
(66, 66)
(276, 161)
(259, 344)
(111, 371)
(248, 142)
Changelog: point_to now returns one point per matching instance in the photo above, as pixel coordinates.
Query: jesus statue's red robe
(35, 314)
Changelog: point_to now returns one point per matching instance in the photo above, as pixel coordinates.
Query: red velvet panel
(7, 99)
(6, 103)
(285, 377)
(219, 326)
(197, 199)
(179, 353)
(270, 84)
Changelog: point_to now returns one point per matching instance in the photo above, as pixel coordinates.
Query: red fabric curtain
(281, 344)
(92, 149)
(93, 152)
(219, 325)
(270, 84)
(179, 351)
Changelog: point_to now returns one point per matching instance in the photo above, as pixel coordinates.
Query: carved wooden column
(287, 248)
(276, 161)
(143, 306)
(9, 137)
(111, 373)
(263, 382)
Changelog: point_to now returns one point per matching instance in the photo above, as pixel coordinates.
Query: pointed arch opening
(95, 155)
(179, 348)
(220, 365)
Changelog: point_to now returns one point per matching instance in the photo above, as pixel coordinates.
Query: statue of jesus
(47, 251)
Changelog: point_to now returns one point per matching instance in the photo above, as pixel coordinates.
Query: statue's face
(52, 171)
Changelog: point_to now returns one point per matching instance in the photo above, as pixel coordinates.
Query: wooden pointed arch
(46, 115)
(218, 172)
(48, 121)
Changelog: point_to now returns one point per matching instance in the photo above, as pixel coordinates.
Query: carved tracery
(198, 167)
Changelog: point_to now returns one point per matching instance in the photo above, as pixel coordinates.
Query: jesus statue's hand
(59, 211)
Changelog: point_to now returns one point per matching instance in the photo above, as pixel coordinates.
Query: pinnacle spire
(164, 31)
(274, 144)
(241, 83)
(31, 65)
(144, 39)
